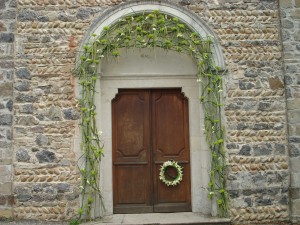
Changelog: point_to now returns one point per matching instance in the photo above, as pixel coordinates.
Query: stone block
(26, 98)
(286, 3)
(6, 213)
(288, 24)
(84, 13)
(9, 14)
(291, 69)
(27, 15)
(275, 83)
(22, 155)
(295, 207)
(294, 116)
(2, 4)
(264, 105)
(22, 85)
(45, 156)
(264, 202)
(244, 180)
(280, 149)
(42, 140)
(295, 14)
(63, 187)
(13, 4)
(297, 3)
(9, 104)
(297, 33)
(2, 199)
(6, 89)
(6, 37)
(26, 121)
(245, 150)
(294, 130)
(23, 73)
(71, 114)
(5, 144)
(10, 200)
(55, 113)
(6, 49)
(63, 17)
(262, 149)
(295, 193)
(238, 203)
(26, 108)
(295, 164)
(246, 85)
(7, 64)
(293, 103)
(6, 119)
(6, 188)
(294, 150)
(295, 219)
(5, 161)
(295, 180)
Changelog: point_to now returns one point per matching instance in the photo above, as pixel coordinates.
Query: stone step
(160, 219)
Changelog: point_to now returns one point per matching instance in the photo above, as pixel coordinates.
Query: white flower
(175, 165)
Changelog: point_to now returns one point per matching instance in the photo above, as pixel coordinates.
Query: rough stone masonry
(38, 115)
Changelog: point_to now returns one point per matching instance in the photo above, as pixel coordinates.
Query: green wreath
(163, 170)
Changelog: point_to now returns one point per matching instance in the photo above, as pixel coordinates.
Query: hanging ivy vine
(149, 30)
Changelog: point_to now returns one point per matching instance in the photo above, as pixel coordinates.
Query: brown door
(149, 128)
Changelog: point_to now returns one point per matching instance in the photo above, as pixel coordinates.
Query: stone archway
(120, 75)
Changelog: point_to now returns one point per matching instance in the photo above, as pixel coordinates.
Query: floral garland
(149, 30)
(163, 170)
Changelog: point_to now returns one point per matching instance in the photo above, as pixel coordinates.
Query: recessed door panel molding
(169, 126)
(132, 125)
(150, 126)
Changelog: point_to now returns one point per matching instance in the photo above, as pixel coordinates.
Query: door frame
(120, 74)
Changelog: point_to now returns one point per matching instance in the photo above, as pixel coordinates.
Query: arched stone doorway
(154, 69)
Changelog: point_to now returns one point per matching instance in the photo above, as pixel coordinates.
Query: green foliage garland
(149, 30)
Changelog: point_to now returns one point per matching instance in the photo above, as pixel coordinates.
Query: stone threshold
(160, 219)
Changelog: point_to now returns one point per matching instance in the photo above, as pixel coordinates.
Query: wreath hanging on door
(163, 171)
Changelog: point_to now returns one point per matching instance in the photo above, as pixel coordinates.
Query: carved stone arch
(191, 20)
(199, 155)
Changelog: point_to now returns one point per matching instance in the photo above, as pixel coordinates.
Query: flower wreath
(163, 169)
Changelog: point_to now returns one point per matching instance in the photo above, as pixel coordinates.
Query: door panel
(132, 126)
(131, 152)
(149, 128)
(170, 139)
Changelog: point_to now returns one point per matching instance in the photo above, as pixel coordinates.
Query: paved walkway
(141, 219)
(159, 218)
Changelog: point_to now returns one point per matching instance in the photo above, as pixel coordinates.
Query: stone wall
(258, 178)
(46, 180)
(290, 20)
(47, 33)
(7, 28)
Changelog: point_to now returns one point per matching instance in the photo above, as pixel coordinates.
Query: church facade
(138, 97)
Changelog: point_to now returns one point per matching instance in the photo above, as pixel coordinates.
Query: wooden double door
(149, 128)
